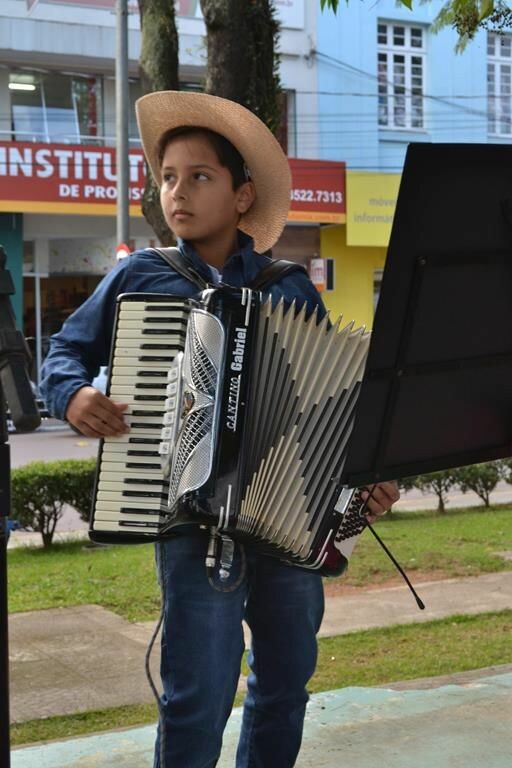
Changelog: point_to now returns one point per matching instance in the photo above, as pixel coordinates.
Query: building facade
(57, 146)
(384, 81)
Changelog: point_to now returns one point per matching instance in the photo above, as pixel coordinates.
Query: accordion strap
(274, 272)
(269, 275)
(174, 258)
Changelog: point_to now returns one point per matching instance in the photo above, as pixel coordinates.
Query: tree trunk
(242, 65)
(242, 60)
(158, 72)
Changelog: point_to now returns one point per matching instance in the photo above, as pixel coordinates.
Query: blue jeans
(202, 646)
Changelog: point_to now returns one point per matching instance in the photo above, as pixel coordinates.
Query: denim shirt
(83, 344)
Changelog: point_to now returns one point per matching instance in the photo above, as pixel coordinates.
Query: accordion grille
(203, 371)
(193, 456)
(192, 462)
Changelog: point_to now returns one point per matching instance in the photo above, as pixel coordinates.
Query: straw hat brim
(164, 110)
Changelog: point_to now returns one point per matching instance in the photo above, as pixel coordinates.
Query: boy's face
(197, 195)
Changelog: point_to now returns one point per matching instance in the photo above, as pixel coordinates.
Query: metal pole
(122, 120)
(5, 749)
(39, 327)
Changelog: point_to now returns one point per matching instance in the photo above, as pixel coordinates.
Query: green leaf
(486, 8)
(332, 4)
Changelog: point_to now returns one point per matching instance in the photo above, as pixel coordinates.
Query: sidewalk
(463, 722)
(76, 659)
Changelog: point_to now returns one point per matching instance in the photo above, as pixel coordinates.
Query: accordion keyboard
(131, 492)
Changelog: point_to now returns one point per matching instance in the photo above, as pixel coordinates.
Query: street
(59, 443)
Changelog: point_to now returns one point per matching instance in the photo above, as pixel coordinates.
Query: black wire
(419, 601)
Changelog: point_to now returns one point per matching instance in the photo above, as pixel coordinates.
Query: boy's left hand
(383, 496)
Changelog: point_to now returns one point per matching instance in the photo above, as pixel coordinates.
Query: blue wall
(455, 86)
(11, 237)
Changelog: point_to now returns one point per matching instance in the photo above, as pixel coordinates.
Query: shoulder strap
(264, 279)
(175, 259)
(273, 272)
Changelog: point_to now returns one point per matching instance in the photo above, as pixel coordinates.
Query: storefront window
(59, 296)
(28, 256)
(54, 107)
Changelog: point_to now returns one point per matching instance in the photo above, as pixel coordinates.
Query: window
(499, 75)
(401, 64)
(135, 92)
(54, 107)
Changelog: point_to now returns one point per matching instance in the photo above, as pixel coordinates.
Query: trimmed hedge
(40, 490)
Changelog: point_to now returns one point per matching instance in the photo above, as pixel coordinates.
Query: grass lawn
(462, 542)
(374, 657)
(122, 578)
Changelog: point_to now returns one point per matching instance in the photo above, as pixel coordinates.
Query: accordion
(240, 414)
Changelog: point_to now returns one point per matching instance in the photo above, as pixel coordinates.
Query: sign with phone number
(318, 191)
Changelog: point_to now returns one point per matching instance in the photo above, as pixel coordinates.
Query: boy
(225, 191)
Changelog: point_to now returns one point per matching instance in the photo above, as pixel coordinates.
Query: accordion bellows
(257, 405)
(303, 397)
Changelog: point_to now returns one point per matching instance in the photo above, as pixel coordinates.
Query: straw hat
(163, 110)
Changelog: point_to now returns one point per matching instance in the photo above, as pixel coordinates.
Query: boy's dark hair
(227, 155)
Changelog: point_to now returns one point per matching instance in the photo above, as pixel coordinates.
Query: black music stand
(437, 390)
(15, 389)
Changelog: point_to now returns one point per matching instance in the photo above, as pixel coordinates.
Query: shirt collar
(241, 267)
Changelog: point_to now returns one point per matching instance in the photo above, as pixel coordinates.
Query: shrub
(506, 470)
(479, 478)
(438, 483)
(78, 492)
(40, 490)
(482, 479)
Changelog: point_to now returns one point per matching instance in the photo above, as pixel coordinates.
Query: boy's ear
(246, 196)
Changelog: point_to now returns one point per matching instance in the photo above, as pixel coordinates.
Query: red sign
(64, 178)
(318, 191)
(96, 4)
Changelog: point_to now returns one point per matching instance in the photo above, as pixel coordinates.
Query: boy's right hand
(96, 415)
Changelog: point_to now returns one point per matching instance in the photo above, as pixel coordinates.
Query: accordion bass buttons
(171, 415)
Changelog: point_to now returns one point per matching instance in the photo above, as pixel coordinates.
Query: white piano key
(111, 526)
(124, 449)
(111, 497)
(133, 365)
(138, 380)
(134, 440)
(102, 514)
(119, 457)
